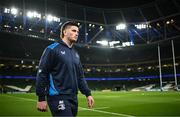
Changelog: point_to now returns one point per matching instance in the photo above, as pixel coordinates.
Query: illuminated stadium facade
(114, 44)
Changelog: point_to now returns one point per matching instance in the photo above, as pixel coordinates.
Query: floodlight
(103, 42)
(36, 14)
(167, 22)
(51, 18)
(172, 21)
(127, 44)
(14, 11)
(158, 24)
(56, 19)
(121, 26)
(101, 27)
(112, 43)
(29, 14)
(140, 26)
(6, 10)
(33, 14)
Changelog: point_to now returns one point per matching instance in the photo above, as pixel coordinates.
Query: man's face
(71, 33)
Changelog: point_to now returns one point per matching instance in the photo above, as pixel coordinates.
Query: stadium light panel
(56, 19)
(141, 26)
(29, 14)
(14, 11)
(127, 44)
(113, 42)
(103, 42)
(33, 14)
(37, 15)
(51, 18)
(121, 26)
(6, 10)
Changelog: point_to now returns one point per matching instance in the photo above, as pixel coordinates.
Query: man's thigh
(60, 107)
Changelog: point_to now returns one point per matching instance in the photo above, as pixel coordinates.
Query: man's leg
(74, 106)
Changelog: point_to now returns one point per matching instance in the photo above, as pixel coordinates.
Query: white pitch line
(101, 108)
(28, 99)
(100, 111)
(106, 112)
(81, 109)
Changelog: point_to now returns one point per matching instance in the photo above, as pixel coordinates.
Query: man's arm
(83, 87)
(82, 84)
(42, 81)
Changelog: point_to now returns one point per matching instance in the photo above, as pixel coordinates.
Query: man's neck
(67, 42)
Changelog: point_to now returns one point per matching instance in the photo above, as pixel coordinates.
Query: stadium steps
(143, 88)
(26, 89)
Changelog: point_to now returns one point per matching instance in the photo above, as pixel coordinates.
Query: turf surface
(123, 104)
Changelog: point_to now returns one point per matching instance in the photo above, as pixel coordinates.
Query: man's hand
(42, 106)
(90, 101)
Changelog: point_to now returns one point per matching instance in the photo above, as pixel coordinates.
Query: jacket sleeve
(82, 84)
(42, 79)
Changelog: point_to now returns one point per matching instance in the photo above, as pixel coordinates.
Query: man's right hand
(42, 106)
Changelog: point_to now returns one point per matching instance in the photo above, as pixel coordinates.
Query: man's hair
(65, 25)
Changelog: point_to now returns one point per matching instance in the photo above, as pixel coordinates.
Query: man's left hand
(90, 100)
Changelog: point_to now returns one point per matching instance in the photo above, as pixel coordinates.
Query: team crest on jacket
(61, 105)
(63, 52)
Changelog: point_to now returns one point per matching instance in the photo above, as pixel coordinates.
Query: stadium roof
(98, 18)
(101, 11)
(110, 4)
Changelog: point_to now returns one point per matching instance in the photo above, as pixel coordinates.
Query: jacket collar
(63, 43)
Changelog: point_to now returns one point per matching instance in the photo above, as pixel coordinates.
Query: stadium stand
(106, 67)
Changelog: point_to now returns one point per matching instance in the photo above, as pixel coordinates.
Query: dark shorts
(63, 106)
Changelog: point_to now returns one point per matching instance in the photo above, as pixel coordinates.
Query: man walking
(60, 75)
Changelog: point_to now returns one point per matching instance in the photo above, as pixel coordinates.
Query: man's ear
(64, 32)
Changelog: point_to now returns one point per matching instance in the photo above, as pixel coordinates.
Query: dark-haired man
(60, 75)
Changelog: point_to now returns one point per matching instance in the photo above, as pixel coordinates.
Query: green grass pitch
(123, 104)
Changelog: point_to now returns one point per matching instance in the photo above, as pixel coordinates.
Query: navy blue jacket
(60, 72)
